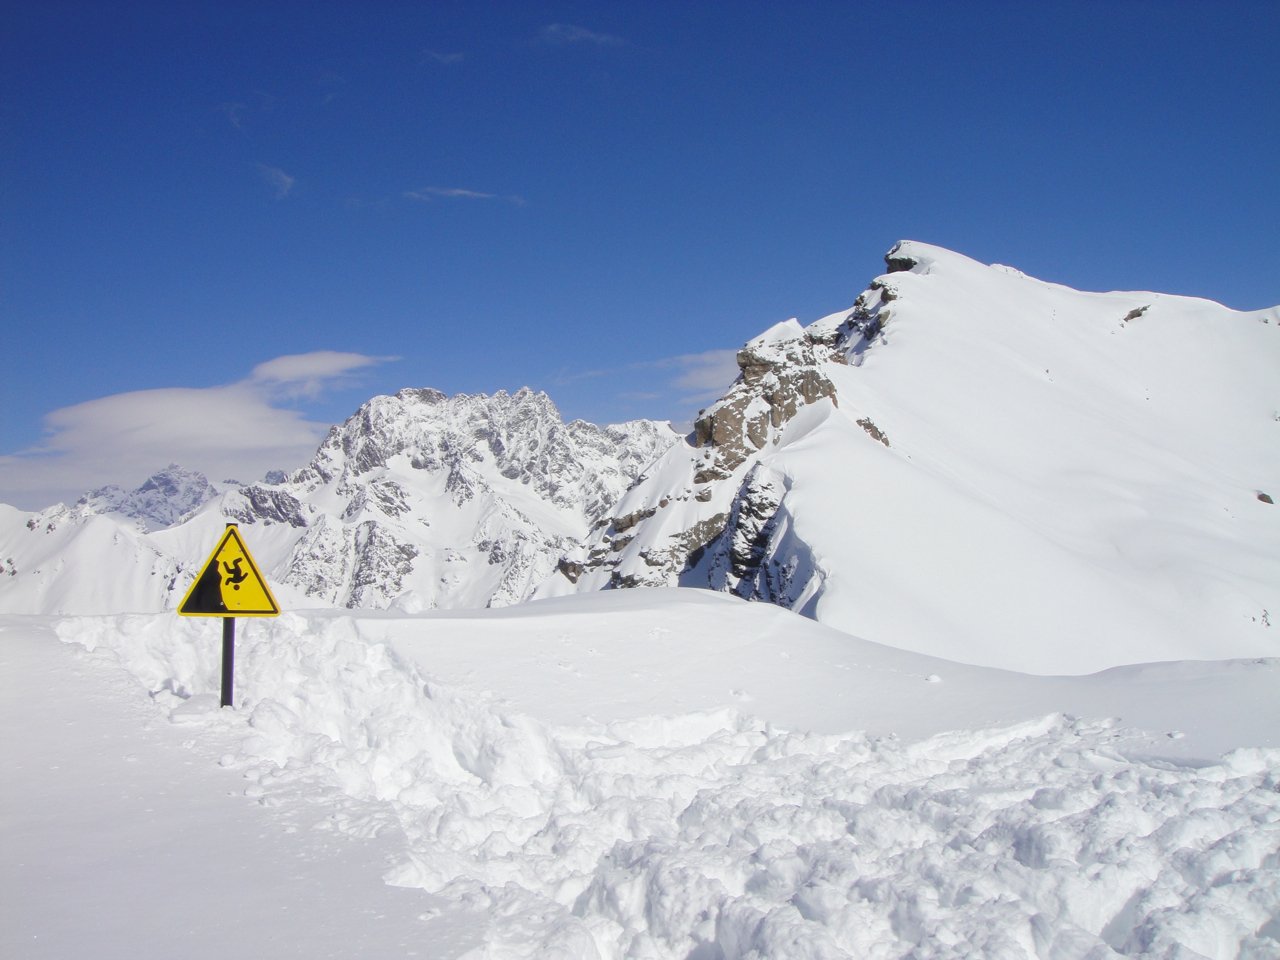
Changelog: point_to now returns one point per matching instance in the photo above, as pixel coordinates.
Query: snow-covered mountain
(968, 462)
(986, 467)
(465, 501)
(418, 500)
(165, 498)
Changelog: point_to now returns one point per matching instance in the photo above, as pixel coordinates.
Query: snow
(999, 456)
(778, 333)
(648, 773)
(1030, 709)
(1058, 465)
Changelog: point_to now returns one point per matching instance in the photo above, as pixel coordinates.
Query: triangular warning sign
(230, 584)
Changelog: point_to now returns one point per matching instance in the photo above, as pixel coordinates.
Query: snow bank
(714, 834)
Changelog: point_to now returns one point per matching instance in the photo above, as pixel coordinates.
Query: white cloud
(566, 33)
(428, 194)
(687, 383)
(237, 430)
(234, 113)
(307, 374)
(280, 181)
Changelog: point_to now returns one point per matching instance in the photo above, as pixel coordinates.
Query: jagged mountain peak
(520, 436)
(167, 497)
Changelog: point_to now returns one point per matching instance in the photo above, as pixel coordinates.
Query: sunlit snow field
(634, 774)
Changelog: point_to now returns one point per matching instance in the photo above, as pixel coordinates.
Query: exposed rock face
(266, 504)
(739, 559)
(898, 261)
(780, 374)
(707, 514)
(712, 512)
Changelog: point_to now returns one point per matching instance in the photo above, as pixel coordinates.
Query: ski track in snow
(714, 836)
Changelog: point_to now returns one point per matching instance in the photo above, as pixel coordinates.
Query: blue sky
(224, 225)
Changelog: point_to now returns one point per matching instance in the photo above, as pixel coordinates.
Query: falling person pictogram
(235, 576)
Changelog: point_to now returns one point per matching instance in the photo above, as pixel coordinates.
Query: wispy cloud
(447, 59)
(234, 112)
(431, 193)
(568, 33)
(238, 430)
(238, 111)
(699, 377)
(673, 388)
(281, 183)
(428, 194)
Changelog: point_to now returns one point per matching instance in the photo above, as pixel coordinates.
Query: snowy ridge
(969, 453)
(717, 833)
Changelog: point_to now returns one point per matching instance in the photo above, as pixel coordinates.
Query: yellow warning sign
(230, 584)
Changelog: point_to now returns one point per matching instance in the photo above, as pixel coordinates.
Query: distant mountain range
(967, 462)
(417, 501)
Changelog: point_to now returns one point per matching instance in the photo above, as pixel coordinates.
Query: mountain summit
(979, 465)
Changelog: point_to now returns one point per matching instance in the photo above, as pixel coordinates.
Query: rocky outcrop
(781, 371)
(702, 515)
(898, 260)
(711, 513)
(748, 533)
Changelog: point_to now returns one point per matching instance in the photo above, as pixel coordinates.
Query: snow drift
(691, 822)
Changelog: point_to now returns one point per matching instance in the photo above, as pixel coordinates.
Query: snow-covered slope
(986, 467)
(628, 775)
(418, 500)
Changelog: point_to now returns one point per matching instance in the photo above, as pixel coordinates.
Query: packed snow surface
(659, 774)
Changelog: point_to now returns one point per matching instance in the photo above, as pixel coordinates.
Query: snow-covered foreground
(634, 774)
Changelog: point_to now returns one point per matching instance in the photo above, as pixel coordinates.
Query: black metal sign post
(229, 586)
(228, 658)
